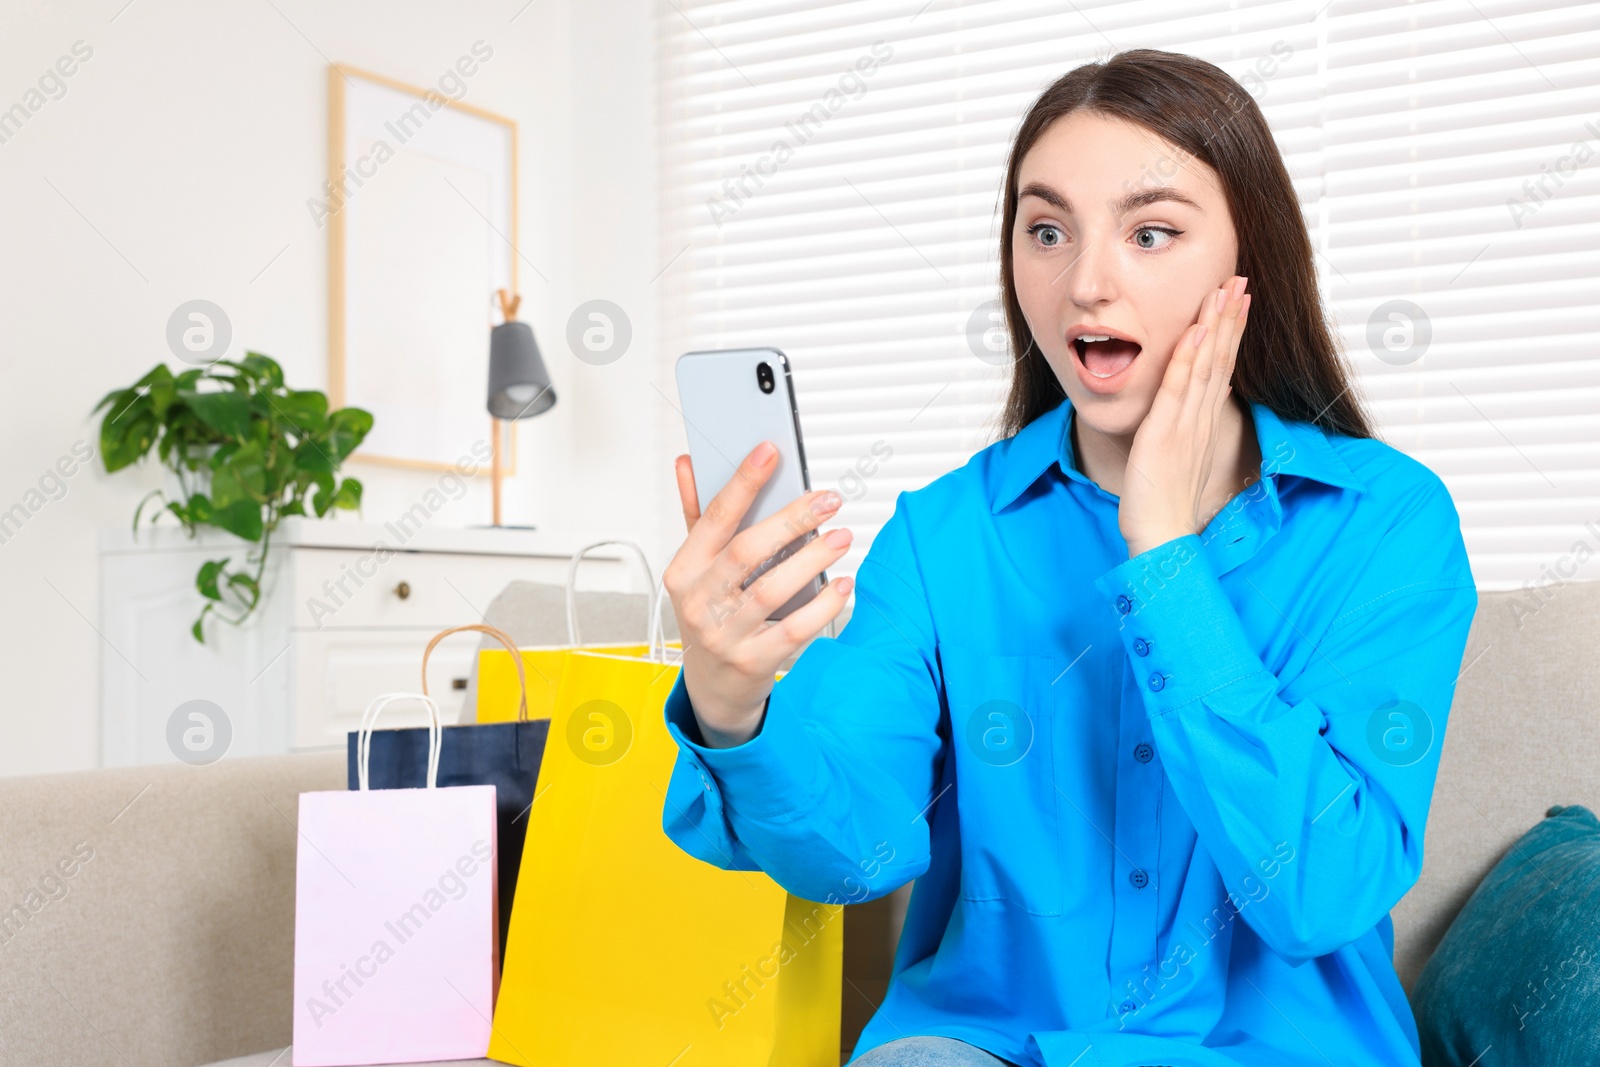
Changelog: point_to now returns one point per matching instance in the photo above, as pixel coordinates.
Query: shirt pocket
(1002, 722)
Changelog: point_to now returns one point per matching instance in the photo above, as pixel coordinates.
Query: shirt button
(1138, 878)
(1141, 646)
(1124, 605)
(1157, 683)
(1142, 752)
(1127, 1006)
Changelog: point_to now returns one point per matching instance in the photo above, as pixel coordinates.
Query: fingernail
(1201, 336)
(825, 503)
(844, 586)
(1222, 294)
(763, 452)
(837, 538)
(1240, 284)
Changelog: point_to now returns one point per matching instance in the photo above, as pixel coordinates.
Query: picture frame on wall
(421, 216)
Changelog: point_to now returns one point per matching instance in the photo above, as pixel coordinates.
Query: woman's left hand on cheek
(1170, 461)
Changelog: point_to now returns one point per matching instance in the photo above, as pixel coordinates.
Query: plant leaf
(112, 428)
(110, 398)
(242, 518)
(347, 428)
(248, 584)
(226, 413)
(140, 509)
(279, 467)
(249, 467)
(163, 391)
(240, 479)
(225, 488)
(305, 412)
(126, 437)
(223, 453)
(322, 499)
(349, 495)
(158, 373)
(199, 634)
(264, 369)
(315, 456)
(206, 580)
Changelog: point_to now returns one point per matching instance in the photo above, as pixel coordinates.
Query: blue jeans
(928, 1052)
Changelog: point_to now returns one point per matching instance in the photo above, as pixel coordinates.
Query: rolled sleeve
(778, 774)
(692, 815)
(1299, 768)
(1181, 633)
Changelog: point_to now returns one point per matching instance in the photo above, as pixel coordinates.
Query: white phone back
(726, 414)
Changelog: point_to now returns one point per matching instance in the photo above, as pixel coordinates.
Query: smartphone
(731, 402)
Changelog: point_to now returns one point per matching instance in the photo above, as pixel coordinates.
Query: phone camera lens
(764, 377)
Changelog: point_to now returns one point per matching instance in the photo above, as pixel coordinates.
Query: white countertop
(342, 533)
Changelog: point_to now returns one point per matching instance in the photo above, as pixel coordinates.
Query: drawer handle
(403, 590)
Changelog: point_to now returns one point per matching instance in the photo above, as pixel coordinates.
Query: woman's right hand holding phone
(730, 650)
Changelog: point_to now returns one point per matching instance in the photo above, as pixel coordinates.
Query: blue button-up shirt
(1157, 808)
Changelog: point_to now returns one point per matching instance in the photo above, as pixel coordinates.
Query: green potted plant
(246, 452)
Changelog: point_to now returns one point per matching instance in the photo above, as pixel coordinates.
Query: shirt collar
(1287, 447)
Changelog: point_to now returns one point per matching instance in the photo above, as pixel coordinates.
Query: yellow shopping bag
(498, 686)
(624, 949)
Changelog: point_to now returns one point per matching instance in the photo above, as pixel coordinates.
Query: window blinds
(831, 181)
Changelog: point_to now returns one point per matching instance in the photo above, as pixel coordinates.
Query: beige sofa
(171, 944)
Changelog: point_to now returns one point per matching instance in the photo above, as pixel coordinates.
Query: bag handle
(499, 635)
(658, 632)
(369, 719)
(572, 588)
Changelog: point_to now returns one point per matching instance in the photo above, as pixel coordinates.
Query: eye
(1171, 234)
(1046, 234)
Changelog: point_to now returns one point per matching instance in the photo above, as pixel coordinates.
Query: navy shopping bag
(505, 755)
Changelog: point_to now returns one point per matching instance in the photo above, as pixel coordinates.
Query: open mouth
(1104, 356)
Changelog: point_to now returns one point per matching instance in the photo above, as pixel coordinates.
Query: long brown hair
(1288, 359)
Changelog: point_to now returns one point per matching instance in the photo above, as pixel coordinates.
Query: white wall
(177, 165)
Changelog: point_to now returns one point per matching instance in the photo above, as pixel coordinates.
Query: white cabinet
(343, 618)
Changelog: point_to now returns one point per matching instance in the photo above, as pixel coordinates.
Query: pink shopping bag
(396, 921)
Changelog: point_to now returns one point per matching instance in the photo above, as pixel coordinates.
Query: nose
(1089, 277)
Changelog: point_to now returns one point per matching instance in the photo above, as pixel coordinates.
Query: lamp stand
(495, 468)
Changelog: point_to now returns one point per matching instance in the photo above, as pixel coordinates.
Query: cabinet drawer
(338, 673)
(350, 589)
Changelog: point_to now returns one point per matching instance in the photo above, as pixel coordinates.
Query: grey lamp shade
(519, 385)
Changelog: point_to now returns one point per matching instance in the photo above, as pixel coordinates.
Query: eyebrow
(1131, 202)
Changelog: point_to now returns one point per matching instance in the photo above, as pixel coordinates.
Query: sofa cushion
(1520, 737)
(148, 912)
(1519, 969)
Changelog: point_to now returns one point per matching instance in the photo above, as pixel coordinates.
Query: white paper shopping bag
(395, 954)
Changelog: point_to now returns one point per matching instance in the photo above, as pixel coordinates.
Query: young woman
(1148, 696)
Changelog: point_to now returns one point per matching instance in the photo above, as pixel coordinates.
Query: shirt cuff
(776, 776)
(1182, 634)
